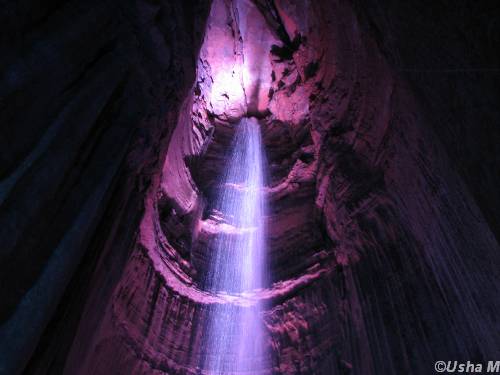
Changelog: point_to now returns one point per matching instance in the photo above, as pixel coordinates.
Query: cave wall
(391, 203)
(89, 93)
(376, 246)
(447, 52)
(382, 224)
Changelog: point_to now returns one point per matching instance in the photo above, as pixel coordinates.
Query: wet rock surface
(381, 233)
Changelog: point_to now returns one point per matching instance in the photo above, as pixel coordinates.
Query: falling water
(234, 340)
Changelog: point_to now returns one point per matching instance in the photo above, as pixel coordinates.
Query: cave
(249, 186)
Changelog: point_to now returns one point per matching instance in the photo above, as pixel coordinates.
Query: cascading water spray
(234, 335)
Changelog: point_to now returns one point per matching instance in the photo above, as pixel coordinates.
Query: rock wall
(90, 93)
(382, 258)
(446, 52)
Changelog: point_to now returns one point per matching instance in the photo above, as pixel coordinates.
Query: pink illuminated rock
(257, 39)
(235, 70)
(221, 72)
(375, 245)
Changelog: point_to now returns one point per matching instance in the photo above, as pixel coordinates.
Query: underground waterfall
(237, 263)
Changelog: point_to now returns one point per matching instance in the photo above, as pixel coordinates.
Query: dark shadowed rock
(381, 186)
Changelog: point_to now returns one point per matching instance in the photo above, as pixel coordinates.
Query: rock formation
(382, 243)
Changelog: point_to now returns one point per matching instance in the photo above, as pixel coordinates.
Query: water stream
(237, 259)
